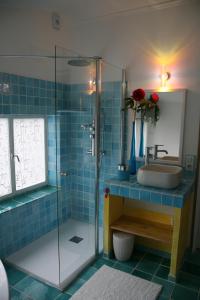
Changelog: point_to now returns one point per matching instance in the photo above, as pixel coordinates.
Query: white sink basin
(161, 176)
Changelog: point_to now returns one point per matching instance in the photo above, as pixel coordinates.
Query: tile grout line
(61, 294)
(147, 272)
(134, 268)
(21, 293)
(172, 289)
(154, 275)
(69, 293)
(156, 270)
(20, 279)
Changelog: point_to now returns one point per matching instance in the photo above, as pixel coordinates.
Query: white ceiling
(84, 10)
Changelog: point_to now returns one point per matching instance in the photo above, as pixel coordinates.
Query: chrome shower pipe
(122, 165)
(97, 150)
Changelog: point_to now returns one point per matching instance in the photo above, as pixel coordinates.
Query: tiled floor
(148, 266)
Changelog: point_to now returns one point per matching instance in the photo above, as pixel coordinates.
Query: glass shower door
(75, 114)
(29, 233)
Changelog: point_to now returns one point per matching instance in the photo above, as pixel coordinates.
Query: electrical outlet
(189, 162)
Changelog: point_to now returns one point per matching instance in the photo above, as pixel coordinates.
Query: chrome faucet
(148, 155)
(91, 128)
(156, 151)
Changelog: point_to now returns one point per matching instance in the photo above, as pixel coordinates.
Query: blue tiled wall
(27, 95)
(76, 142)
(37, 97)
(27, 222)
(110, 132)
(75, 158)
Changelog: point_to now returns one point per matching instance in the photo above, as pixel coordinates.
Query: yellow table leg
(181, 235)
(113, 209)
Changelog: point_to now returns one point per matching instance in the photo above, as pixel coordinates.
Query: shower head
(79, 62)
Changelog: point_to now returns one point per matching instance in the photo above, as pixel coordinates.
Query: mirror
(168, 131)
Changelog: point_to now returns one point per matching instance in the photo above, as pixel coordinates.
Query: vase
(132, 161)
(141, 149)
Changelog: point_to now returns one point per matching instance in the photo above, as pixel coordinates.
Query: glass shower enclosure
(68, 119)
(78, 85)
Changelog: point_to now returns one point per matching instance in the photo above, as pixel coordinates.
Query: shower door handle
(13, 156)
(64, 174)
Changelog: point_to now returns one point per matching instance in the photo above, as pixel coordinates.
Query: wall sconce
(91, 86)
(164, 77)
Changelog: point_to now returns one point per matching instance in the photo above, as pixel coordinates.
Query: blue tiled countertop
(23, 199)
(133, 190)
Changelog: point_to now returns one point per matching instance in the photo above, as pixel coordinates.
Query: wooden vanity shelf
(144, 228)
(165, 230)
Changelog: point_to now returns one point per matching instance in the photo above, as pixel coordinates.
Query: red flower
(138, 94)
(154, 97)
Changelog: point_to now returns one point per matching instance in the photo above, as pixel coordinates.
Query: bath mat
(111, 284)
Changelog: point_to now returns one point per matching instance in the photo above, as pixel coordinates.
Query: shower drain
(76, 239)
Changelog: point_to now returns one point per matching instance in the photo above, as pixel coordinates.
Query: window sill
(16, 201)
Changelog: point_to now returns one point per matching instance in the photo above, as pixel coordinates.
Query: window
(5, 171)
(22, 154)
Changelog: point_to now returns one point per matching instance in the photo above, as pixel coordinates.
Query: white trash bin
(123, 244)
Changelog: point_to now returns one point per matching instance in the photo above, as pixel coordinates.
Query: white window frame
(12, 159)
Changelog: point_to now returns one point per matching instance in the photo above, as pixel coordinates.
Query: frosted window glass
(29, 150)
(5, 172)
